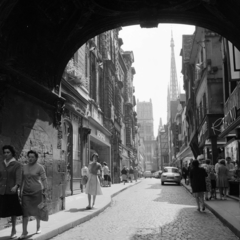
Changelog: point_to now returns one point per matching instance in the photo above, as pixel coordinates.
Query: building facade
(145, 120)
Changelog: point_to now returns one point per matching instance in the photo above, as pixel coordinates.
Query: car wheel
(162, 183)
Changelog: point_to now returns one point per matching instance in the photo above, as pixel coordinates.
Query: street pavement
(151, 211)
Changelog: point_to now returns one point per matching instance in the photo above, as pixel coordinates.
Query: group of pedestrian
(129, 174)
(206, 178)
(22, 189)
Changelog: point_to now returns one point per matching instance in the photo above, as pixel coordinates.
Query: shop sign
(101, 136)
(202, 132)
(230, 117)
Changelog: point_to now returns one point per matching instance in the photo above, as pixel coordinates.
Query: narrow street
(151, 211)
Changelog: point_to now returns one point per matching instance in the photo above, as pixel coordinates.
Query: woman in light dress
(33, 188)
(93, 187)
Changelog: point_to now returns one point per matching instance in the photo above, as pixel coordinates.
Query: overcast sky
(152, 54)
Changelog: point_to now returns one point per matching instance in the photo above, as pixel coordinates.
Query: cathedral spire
(173, 75)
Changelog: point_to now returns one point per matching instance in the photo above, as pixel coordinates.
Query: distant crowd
(205, 178)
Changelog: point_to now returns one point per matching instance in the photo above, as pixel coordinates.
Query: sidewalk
(74, 214)
(228, 211)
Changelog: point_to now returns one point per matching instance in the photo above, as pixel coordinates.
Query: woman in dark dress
(10, 181)
(198, 183)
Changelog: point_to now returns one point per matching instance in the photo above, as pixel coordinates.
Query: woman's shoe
(210, 198)
(203, 209)
(38, 231)
(199, 209)
(88, 208)
(23, 236)
(13, 236)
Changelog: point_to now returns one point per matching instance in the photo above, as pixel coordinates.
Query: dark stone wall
(27, 123)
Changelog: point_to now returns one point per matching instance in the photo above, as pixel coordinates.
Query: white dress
(93, 185)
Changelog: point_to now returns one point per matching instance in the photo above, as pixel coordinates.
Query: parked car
(147, 174)
(171, 174)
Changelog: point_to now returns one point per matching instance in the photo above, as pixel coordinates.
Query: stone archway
(38, 37)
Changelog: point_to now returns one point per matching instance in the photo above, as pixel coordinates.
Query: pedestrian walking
(185, 173)
(93, 187)
(109, 179)
(198, 183)
(131, 173)
(222, 179)
(34, 188)
(230, 166)
(105, 174)
(84, 172)
(208, 168)
(135, 174)
(124, 175)
(10, 181)
(100, 176)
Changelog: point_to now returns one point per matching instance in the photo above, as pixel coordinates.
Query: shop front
(184, 157)
(99, 142)
(230, 130)
(208, 142)
(126, 161)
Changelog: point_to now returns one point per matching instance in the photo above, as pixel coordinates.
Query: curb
(222, 219)
(59, 230)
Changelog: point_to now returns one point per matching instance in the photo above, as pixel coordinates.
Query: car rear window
(174, 170)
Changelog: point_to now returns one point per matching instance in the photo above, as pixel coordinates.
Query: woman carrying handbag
(33, 193)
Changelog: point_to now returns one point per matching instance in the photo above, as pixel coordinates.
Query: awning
(186, 153)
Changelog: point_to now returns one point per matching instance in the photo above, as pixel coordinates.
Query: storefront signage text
(230, 117)
(101, 136)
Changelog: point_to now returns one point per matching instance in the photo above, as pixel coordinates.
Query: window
(165, 159)
(173, 170)
(93, 80)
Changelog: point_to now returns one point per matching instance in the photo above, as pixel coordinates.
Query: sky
(152, 62)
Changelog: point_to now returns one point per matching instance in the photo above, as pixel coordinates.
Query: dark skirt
(213, 184)
(10, 206)
(30, 204)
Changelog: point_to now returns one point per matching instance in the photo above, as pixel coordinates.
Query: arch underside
(37, 38)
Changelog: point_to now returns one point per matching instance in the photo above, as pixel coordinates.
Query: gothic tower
(173, 75)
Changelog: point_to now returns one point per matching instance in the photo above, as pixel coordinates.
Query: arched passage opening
(39, 38)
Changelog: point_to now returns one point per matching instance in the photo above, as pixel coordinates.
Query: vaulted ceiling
(38, 37)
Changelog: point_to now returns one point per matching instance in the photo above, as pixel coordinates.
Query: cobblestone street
(151, 211)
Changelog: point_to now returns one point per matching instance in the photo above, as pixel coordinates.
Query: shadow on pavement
(189, 224)
(74, 210)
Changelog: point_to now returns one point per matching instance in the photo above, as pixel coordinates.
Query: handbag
(43, 209)
(84, 180)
